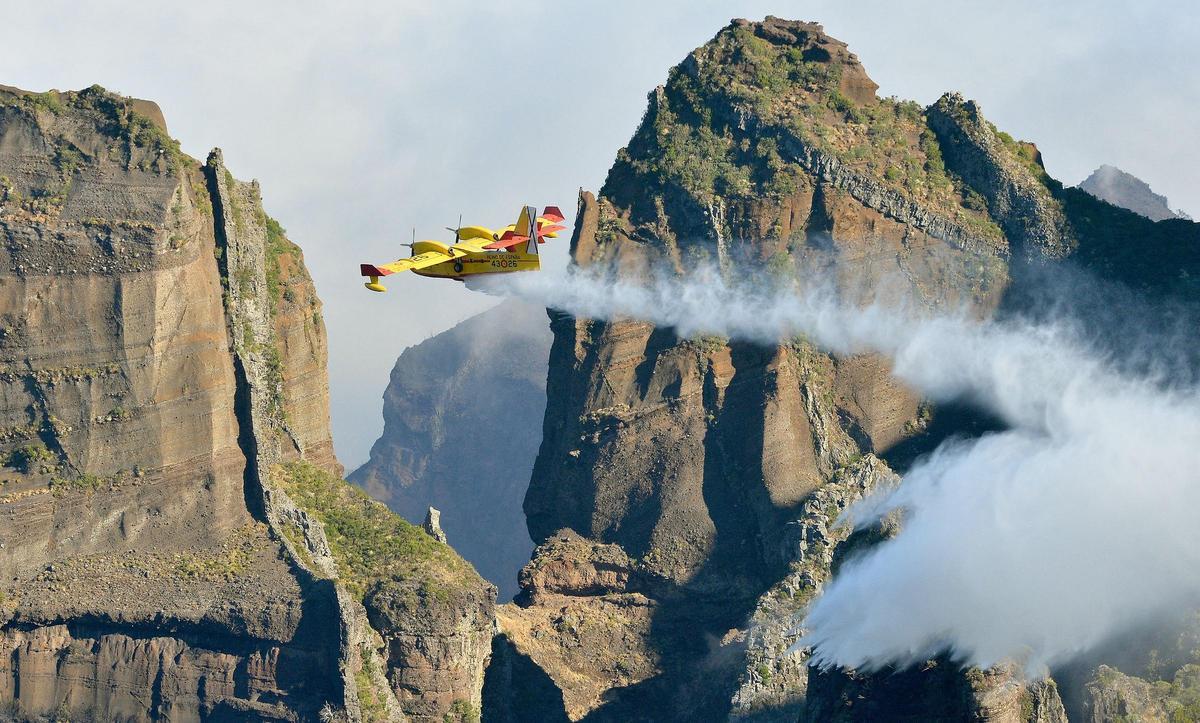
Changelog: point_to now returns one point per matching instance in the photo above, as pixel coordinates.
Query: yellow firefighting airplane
(477, 250)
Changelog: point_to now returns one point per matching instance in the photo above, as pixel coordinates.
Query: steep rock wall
(162, 355)
(124, 479)
(416, 619)
(1010, 182)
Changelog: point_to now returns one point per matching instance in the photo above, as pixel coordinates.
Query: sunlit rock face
(162, 360)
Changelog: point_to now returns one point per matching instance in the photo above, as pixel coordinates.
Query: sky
(366, 120)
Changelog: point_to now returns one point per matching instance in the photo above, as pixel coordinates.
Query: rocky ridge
(774, 679)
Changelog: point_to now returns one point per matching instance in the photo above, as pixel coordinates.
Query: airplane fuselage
(483, 263)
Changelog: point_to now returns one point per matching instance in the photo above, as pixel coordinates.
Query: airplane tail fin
(527, 226)
(530, 229)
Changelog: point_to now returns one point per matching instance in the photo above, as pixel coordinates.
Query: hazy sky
(364, 120)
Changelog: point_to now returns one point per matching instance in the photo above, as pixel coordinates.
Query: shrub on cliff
(371, 544)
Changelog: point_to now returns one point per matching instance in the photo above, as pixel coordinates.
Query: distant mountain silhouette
(1109, 183)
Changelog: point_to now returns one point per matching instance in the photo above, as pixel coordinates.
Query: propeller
(456, 230)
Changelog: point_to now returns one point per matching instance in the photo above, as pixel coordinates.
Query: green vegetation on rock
(46, 101)
(201, 198)
(1184, 702)
(227, 563)
(1134, 699)
(463, 711)
(370, 543)
(131, 126)
(370, 702)
(128, 138)
(277, 246)
(84, 482)
(117, 118)
(732, 121)
(31, 458)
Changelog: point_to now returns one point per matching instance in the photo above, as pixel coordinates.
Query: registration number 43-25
(504, 263)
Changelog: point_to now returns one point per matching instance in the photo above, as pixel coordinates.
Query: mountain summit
(1109, 183)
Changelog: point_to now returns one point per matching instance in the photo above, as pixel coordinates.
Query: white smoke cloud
(1033, 544)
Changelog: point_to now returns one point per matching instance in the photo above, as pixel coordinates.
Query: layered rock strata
(161, 353)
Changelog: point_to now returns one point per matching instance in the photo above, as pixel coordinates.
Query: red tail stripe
(372, 270)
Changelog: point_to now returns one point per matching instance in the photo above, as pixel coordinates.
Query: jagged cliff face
(1114, 696)
(936, 691)
(162, 356)
(491, 378)
(124, 489)
(767, 148)
(679, 470)
(111, 367)
(782, 420)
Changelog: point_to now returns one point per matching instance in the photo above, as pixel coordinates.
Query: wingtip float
(476, 250)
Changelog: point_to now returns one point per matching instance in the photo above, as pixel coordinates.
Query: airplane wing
(548, 223)
(420, 261)
(470, 246)
(429, 258)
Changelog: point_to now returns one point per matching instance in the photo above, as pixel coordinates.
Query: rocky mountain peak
(725, 162)
(809, 42)
(1109, 183)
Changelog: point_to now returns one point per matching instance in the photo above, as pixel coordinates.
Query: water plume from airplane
(1031, 544)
